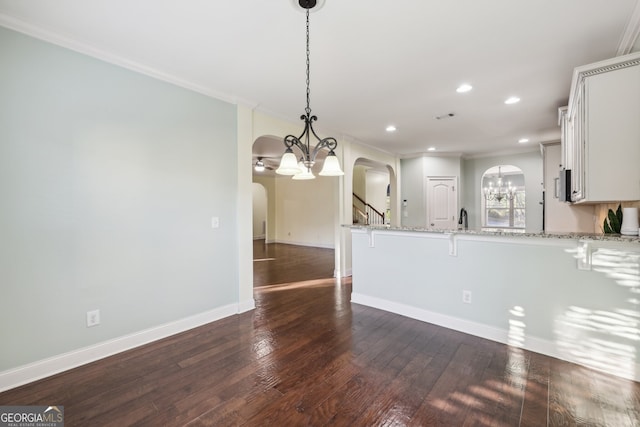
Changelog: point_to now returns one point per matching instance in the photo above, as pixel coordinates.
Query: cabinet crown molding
(608, 65)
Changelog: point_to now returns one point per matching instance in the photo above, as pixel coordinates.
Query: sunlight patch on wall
(605, 339)
(516, 336)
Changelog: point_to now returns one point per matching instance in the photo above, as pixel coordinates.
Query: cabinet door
(577, 146)
(613, 135)
(564, 138)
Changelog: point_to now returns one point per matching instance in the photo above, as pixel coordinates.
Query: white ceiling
(373, 63)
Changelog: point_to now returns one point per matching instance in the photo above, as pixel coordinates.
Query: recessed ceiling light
(391, 128)
(464, 88)
(431, 149)
(523, 140)
(512, 100)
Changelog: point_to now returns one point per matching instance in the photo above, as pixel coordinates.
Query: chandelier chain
(300, 167)
(308, 109)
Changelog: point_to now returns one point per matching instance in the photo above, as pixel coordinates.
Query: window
(503, 198)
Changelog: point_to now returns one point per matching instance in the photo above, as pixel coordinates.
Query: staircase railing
(359, 216)
(368, 213)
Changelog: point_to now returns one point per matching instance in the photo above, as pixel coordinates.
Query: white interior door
(442, 203)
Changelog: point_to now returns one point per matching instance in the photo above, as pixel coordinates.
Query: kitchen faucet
(463, 215)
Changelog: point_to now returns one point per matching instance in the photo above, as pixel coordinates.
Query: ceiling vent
(445, 116)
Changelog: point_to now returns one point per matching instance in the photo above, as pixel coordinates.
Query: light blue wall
(526, 291)
(108, 182)
(531, 165)
(415, 172)
(413, 180)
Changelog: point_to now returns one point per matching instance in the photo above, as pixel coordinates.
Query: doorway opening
(371, 198)
(293, 222)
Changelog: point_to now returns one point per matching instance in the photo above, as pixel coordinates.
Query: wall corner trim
(247, 305)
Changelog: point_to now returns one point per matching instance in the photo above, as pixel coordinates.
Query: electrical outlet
(466, 297)
(93, 318)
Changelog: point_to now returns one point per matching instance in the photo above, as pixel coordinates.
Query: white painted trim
(358, 230)
(521, 240)
(531, 343)
(453, 236)
(453, 247)
(505, 152)
(419, 234)
(338, 274)
(631, 32)
(310, 245)
(247, 305)
(62, 362)
(477, 329)
(94, 52)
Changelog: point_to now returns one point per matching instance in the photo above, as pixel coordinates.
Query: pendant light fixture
(289, 163)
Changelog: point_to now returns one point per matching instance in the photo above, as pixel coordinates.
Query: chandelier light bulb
(305, 172)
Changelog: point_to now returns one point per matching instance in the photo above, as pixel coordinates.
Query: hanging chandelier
(499, 192)
(300, 167)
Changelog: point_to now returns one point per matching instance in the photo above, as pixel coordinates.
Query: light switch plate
(215, 222)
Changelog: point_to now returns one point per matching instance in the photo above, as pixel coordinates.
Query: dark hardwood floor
(306, 356)
(275, 263)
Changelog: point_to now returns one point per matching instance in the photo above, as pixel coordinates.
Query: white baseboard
(535, 344)
(248, 305)
(63, 362)
(339, 274)
(311, 245)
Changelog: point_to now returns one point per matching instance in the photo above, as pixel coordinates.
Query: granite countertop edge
(500, 233)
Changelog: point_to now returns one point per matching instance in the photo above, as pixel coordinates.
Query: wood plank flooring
(279, 263)
(306, 356)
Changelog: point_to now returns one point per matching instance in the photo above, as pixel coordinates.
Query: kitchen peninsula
(574, 297)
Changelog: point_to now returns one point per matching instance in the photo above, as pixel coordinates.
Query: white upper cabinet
(601, 131)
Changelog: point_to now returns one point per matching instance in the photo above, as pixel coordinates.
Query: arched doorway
(372, 190)
(260, 203)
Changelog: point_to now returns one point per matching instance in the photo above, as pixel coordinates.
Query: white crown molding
(502, 153)
(94, 52)
(631, 32)
(454, 154)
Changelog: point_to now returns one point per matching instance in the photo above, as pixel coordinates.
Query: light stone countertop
(514, 234)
